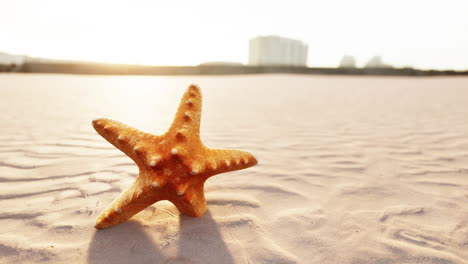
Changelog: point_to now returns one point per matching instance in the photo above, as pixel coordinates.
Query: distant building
(6, 58)
(274, 50)
(376, 62)
(347, 62)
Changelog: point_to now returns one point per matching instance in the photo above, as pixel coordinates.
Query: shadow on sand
(199, 242)
(125, 243)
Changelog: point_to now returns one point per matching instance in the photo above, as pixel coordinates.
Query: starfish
(173, 166)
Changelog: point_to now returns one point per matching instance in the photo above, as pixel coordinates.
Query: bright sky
(420, 33)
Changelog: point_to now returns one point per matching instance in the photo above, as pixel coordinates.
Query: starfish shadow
(126, 243)
(200, 241)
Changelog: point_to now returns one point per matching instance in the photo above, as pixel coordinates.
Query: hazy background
(422, 34)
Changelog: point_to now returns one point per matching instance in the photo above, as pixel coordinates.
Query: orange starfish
(173, 166)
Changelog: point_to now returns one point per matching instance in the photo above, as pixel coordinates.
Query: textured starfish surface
(173, 166)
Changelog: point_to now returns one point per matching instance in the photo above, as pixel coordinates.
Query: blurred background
(420, 34)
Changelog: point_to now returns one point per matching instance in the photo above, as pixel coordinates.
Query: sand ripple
(352, 170)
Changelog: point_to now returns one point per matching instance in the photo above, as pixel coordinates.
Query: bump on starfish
(173, 166)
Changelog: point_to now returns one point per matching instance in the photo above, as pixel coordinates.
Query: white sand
(352, 170)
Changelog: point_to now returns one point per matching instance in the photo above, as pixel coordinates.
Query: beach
(351, 169)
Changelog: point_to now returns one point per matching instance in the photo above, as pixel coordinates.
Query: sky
(423, 34)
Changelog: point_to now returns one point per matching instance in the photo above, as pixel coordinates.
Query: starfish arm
(224, 160)
(136, 198)
(193, 202)
(123, 137)
(186, 124)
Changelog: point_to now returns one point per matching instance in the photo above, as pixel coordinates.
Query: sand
(351, 170)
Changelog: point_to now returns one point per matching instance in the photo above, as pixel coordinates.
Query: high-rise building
(376, 62)
(347, 62)
(274, 50)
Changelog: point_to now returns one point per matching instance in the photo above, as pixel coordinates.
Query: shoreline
(127, 69)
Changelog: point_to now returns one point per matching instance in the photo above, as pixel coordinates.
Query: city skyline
(422, 34)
